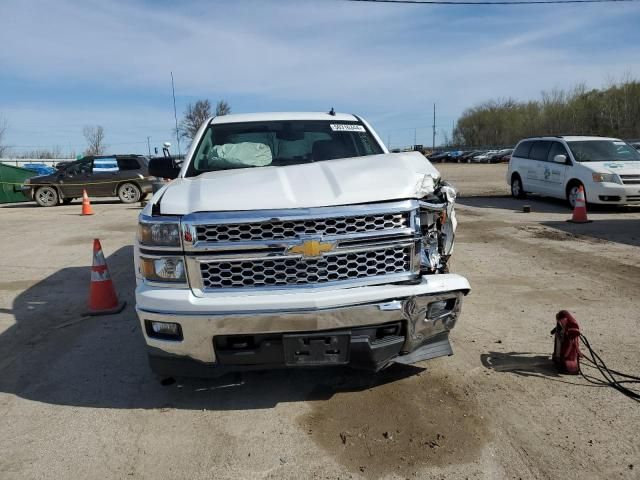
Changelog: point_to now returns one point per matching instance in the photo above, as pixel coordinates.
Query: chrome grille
(292, 229)
(297, 271)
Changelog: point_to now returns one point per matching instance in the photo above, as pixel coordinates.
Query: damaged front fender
(438, 226)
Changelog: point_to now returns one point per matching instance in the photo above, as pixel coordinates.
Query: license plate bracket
(316, 349)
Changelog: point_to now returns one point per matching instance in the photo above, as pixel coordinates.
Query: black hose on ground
(608, 374)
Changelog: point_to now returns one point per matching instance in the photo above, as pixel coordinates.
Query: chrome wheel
(46, 197)
(129, 193)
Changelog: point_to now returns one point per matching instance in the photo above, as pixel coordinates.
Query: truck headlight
(163, 269)
(605, 178)
(159, 234)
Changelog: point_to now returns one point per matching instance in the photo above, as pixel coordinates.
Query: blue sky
(68, 63)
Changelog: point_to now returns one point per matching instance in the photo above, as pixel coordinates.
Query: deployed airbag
(238, 155)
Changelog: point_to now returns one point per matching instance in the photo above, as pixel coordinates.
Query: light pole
(149, 145)
(434, 127)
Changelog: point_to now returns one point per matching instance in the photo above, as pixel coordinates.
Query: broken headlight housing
(437, 225)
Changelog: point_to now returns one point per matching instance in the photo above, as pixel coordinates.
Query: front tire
(129, 193)
(46, 197)
(517, 190)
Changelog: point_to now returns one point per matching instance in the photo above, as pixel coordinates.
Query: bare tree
(95, 140)
(3, 130)
(194, 116)
(222, 108)
(42, 153)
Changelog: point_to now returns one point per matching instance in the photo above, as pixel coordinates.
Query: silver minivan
(608, 169)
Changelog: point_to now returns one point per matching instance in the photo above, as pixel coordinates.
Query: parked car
(440, 157)
(608, 169)
(455, 155)
(501, 156)
(293, 240)
(124, 176)
(461, 156)
(466, 157)
(483, 157)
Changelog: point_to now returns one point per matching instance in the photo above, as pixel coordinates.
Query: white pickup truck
(295, 240)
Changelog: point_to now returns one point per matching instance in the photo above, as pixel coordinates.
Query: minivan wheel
(46, 197)
(516, 187)
(129, 193)
(572, 194)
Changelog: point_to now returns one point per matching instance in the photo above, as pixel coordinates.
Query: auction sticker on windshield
(341, 127)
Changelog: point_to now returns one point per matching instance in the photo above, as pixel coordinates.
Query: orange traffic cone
(102, 296)
(86, 204)
(580, 209)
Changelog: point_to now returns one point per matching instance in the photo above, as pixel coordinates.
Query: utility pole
(434, 127)
(415, 137)
(149, 145)
(175, 114)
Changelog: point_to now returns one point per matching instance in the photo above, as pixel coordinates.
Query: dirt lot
(77, 399)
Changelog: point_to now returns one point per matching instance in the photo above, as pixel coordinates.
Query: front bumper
(613, 194)
(265, 321)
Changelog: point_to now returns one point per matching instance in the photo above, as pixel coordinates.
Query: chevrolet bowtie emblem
(312, 248)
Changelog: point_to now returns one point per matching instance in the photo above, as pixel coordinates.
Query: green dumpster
(10, 180)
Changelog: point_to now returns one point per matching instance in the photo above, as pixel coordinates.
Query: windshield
(279, 143)
(603, 151)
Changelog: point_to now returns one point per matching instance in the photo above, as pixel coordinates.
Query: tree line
(612, 111)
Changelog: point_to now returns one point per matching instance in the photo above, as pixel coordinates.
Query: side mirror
(163, 167)
(560, 159)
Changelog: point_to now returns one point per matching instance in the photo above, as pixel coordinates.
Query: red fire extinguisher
(566, 351)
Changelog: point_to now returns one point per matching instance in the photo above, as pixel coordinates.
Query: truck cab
(290, 240)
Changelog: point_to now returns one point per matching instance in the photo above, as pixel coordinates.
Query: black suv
(124, 176)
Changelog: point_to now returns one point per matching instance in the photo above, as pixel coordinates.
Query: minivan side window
(522, 151)
(557, 149)
(540, 150)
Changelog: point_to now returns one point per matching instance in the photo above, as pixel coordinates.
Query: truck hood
(345, 181)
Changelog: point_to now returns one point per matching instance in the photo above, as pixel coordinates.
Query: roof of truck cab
(282, 116)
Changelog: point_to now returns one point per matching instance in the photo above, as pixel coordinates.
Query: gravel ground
(77, 399)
